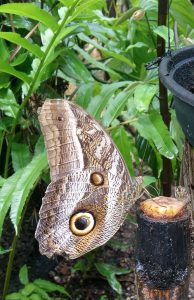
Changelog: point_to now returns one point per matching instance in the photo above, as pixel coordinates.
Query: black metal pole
(163, 98)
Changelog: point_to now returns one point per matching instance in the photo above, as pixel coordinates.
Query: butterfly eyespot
(59, 118)
(82, 223)
(97, 178)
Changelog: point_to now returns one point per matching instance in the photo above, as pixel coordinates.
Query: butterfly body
(90, 191)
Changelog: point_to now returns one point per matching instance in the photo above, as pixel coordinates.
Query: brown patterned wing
(90, 190)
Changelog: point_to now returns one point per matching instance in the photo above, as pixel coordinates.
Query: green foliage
(108, 271)
(30, 11)
(73, 43)
(20, 155)
(152, 128)
(39, 289)
(8, 103)
(123, 140)
(16, 189)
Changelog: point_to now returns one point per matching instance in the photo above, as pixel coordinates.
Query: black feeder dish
(176, 72)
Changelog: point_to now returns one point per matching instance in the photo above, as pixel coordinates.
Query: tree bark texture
(187, 172)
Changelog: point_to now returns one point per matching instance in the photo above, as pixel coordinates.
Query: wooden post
(187, 172)
(163, 249)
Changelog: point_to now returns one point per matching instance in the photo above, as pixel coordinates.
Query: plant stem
(6, 167)
(122, 123)
(151, 34)
(1, 141)
(9, 267)
(163, 98)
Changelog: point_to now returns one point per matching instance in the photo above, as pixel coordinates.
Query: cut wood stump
(163, 249)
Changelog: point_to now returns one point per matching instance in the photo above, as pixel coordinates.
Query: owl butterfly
(90, 191)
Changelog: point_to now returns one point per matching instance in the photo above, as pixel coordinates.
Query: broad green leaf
(177, 133)
(116, 244)
(115, 107)
(13, 296)
(72, 66)
(107, 52)
(182, 12)
(19, 59)
(98, 103)
(151, 5)
(50, 286)
(23, 275)
(28, 289)
(148, 152)
(30, 176)
(126, 15)
(85, 10)
(109, 272)
(4, 80)
(66, 3)
(80, 265)
(4, 50)
(6, 68)
(115, 284)
(49, 67)
(143, 95)
(87, 92)
(21, 156)
(103, 34)
(19, 22)
(103, 297)
(6, 195)
(94, 62)
(147, 180)
(117, 104)
(66, 32)
(125, 145)
(6, 123)
(34, 296)
(2, 181)
(31, 11)
(136, 45)
(15, 38)
(8, 103)
(43, 294)
(39, 147)
(106, 269)
(151, 127)
(163, 32)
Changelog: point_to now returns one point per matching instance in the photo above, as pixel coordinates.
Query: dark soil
(81, 286)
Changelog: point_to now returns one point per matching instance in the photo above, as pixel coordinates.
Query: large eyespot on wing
(82, 223)
(77, 216)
